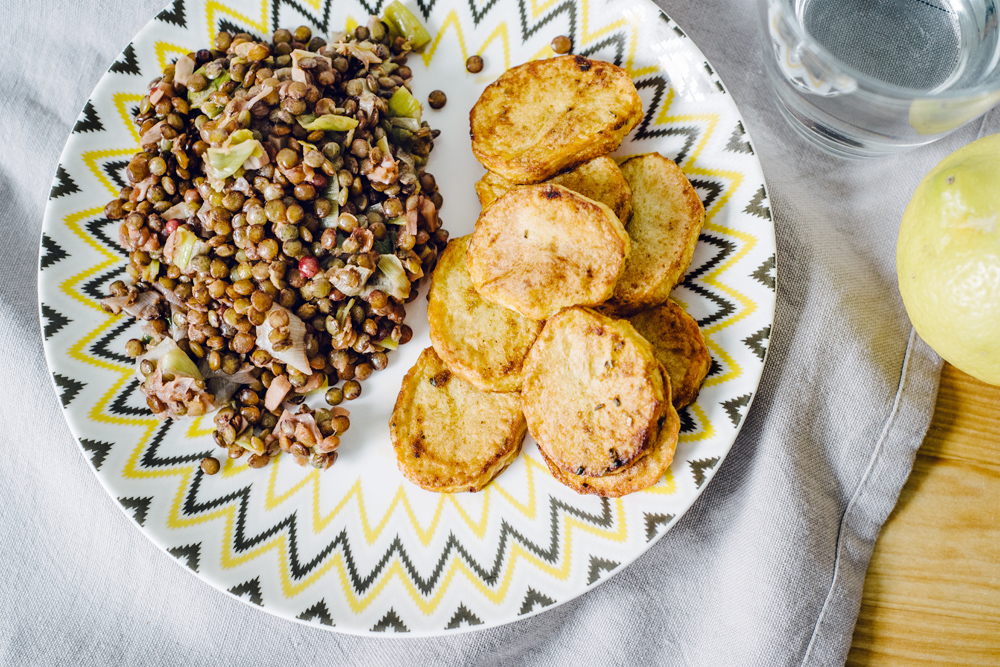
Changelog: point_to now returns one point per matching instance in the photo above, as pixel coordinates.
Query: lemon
(934, 116)
(948, 259)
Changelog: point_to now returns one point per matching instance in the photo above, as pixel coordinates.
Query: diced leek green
(239, 136)
(150, 272)
(199, 98)
(322, 387)
(175, 363)
(183, 248)
(328, 122)
(245, 440)
(227, 161)
(386, 244)
(407, 25)
(383, 145)
(404, 105)
(332, 193)
(387, 343)
(401, 137)
(211, 109)
(398, 220)
(343, 311)
(392, 269)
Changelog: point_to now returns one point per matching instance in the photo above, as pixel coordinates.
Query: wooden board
(932, 592)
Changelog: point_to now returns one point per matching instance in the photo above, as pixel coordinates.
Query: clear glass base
(836, 143)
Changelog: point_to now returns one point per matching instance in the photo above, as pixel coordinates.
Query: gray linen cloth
(766, 569)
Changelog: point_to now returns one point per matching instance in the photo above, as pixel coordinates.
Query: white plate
(358, 548)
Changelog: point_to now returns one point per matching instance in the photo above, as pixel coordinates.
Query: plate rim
(768, 234)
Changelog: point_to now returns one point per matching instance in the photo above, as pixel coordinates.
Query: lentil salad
(277, 219)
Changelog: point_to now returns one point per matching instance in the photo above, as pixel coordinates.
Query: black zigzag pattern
(533, 598)
(174, 14)
(226, 25)
(68, 388)
(757, 206)
(758, 342)
(763, 273)
(249, 590)
(189, 555)
(700, 468)
(618, 41)
(489, 573)
(99, 228)
(317, 612)
(714, 77)
(527, 31)
(735, 407)
(690, 133)
(98, 451)
(463, 615)
(676, 28)
(52, 253)
(54, 321)
(105, 348)
(711, 189)
(687, 421)
(242, 542)
(654, 522)
(88, 121)
(63, 184)
(96, 286)
(323, 23)
(725, 307)
(478, 14)
(598, 566)
(139, 507)
(737, 142)
(118, 408)
(115, 170)
(391, 621)
(714, 368)
(130, 65)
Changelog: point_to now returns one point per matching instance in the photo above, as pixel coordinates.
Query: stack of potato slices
(554, 315)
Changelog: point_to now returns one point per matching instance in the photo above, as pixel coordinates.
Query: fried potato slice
(667, 216)
(448, 435)
(541, 248)
(640, 475)
(480, 341)
(547, 116)
(593, 393)
(599, 179)
(680, 347)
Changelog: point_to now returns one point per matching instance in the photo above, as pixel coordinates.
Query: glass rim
(883, 88)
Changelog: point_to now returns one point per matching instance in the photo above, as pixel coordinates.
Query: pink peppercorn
(308, 266)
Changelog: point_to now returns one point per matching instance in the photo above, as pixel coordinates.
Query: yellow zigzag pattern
(749, 241)
(164, 48)
(400, 503)
(213, 7)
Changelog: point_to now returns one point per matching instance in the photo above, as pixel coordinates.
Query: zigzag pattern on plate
(361, 585)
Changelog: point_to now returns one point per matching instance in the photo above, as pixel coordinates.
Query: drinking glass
(865, 78)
